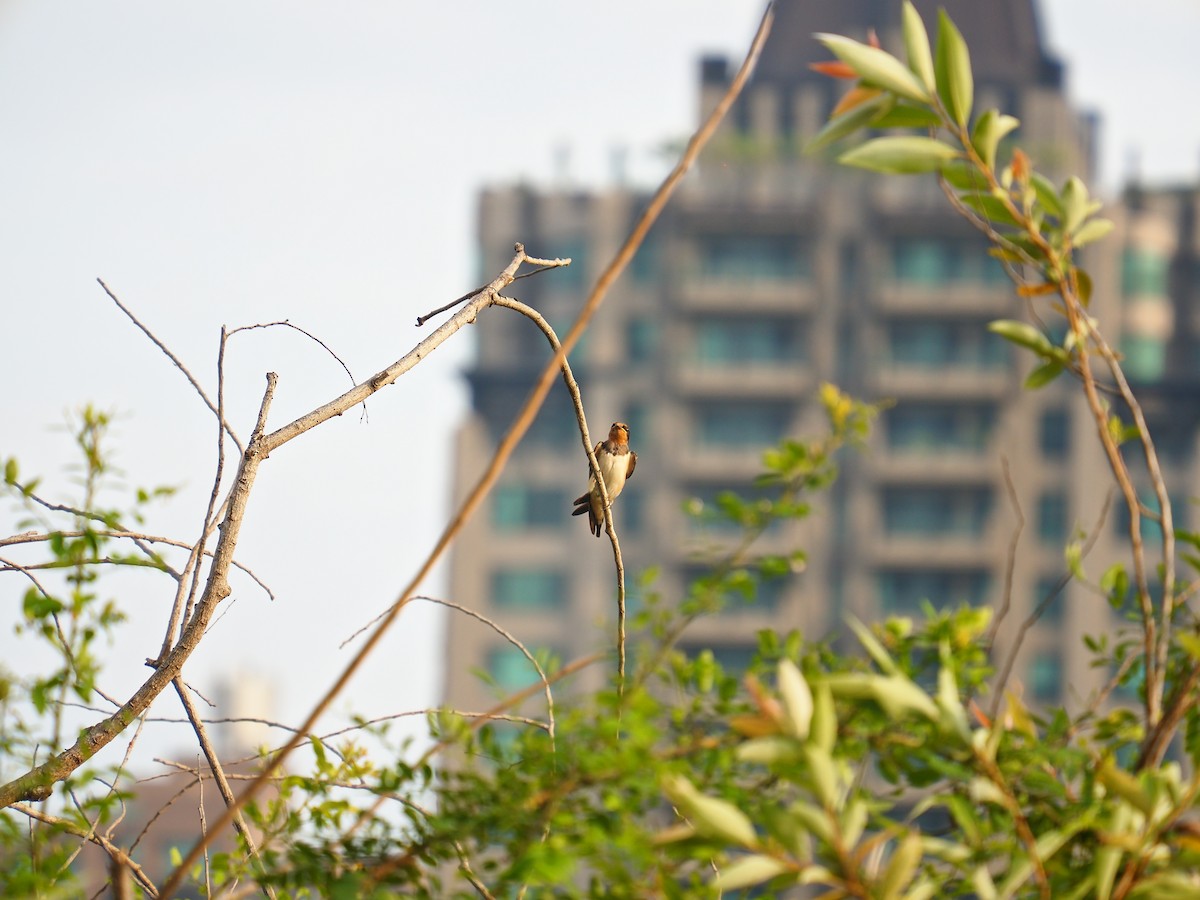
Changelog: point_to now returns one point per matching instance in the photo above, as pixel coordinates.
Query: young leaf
(906, 115)
(1092, 230)
(1043, 374)
(1022, 334)
(850, 121)
(990, 129)
(1075, 204)
(748, 871)
(904, 155)
(916, 46)
(955, 84)
(1047, 194)
(876, 67)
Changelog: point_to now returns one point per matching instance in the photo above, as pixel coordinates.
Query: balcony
(698, 293)
(941, 383)
(781, 379)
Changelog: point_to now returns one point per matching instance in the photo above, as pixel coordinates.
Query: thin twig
(173, 358)
(1011, 563)
(106, 845)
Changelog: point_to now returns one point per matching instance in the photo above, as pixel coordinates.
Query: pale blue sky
(231, 163)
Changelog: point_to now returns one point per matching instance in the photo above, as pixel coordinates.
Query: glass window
(759, 257)
(724, 341)
(1052, 516)
(1145, 357)
(940, 427)
(941, 511)
(1144, 272)
(747, 424)
(512, 671)
(521, 506)
(1047, 586)
(553, 429)
(1046, 675)
(935, 262)
(938, 343)
(1054, 433)
(901, 591)
(637, 417)
(1151, 529)
(529, 589)
(566, 278)
(641, 340)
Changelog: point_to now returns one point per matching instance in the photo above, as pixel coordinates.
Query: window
(933, 263)
(1145, 357)
(519, 506)
(941, 511)
(1054, 433)
(511, 670)
(940, 427)
(1052, 516)
(637, 417)
(529, 589)
(574, 276)
(1046, 676)
(552, 429)
(641, 340)
(752, 257)
(939, 343)
(1047, 586)
(747, 424)
(724, 341)
(1144, 272)
(901, 591)
(1151, 529)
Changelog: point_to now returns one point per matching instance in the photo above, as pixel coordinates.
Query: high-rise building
(769, 273)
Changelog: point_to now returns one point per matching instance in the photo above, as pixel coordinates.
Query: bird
(616, 462)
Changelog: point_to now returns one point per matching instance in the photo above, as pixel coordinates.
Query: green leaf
(876, 67)
(1075, 204)
(1043, 374)
(10, 470)
(990, 207)
(1092, 230)
(963, 176)
(872, 646)
(850, 121)
(901, 155)
(901, 867)
(710, 816)
(956, 85)
(916, 46)
(905, 115)
(990, 129)
(1047, 194)
(1022, 334)
(797, 698)
(748, 871)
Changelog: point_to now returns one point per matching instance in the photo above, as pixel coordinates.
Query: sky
(239, 163)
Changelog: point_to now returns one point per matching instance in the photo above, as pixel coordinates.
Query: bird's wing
(632, 464)
(596, 451)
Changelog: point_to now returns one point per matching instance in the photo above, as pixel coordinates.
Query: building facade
(770, 273)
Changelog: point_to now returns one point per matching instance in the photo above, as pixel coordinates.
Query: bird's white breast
(614, 469)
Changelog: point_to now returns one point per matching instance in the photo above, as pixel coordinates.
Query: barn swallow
(616, 462)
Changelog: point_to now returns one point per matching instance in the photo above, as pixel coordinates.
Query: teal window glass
(729, 341)
(1151, 529)
(1046, 675)
(511, 670)
(1047, 586)
(566, 278)
(936, 511)
(941, 343)
(1052, 519)
(741, 257)
(1144, 272)
(902, 591)
(1054, 433)
(641, 340)
(934, 262)
(554, 429)
(529, 589)
(940, 427)
(519, 506)
(746, 424)
(1145, 357)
